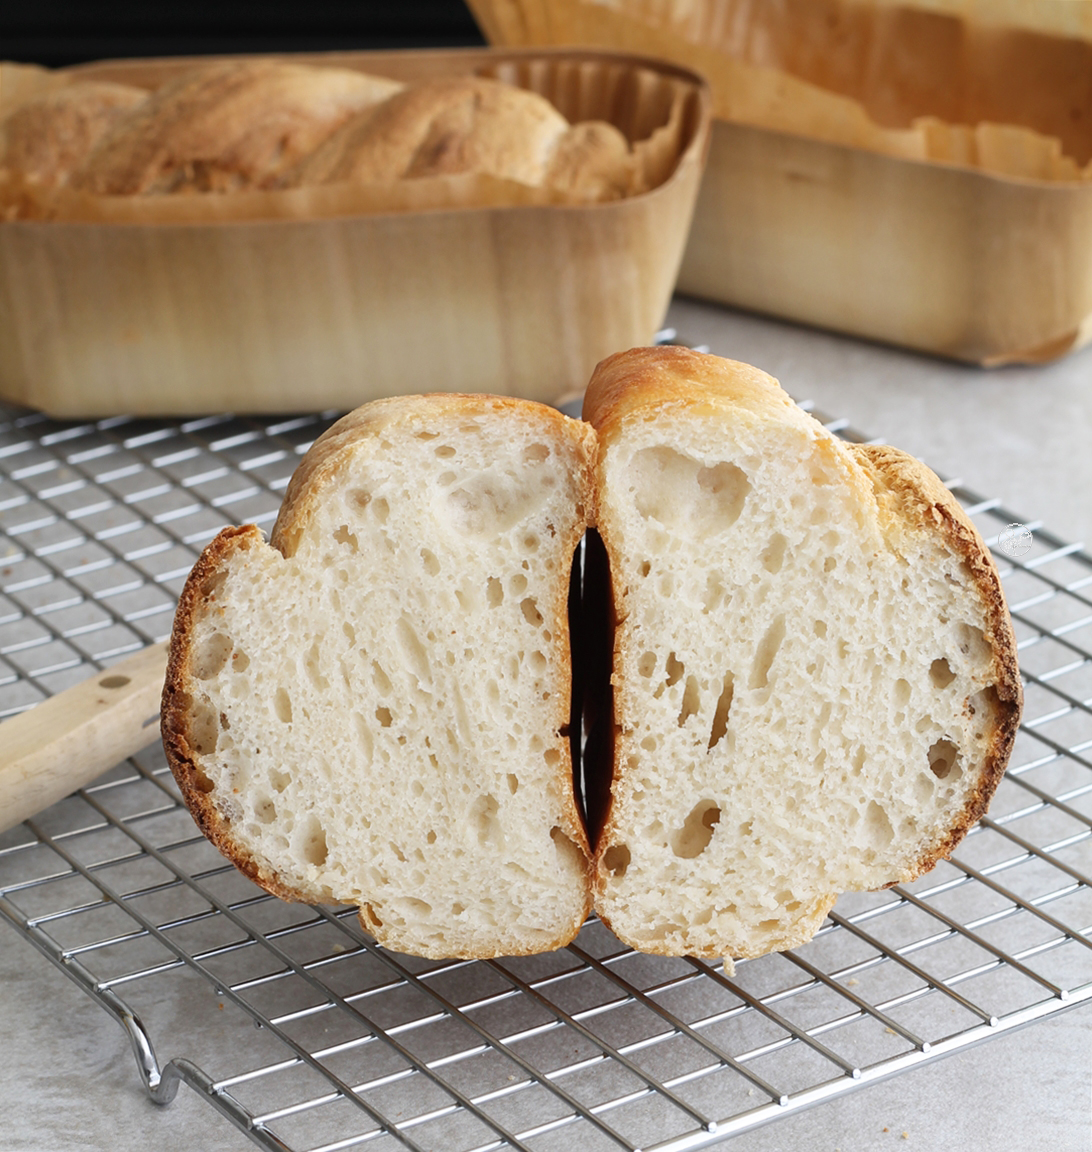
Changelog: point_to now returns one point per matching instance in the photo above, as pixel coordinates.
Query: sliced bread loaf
(373, 708)
(815, 683)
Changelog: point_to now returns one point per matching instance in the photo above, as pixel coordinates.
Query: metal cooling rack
(593, 1046)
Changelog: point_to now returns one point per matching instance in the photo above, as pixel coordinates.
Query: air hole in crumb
(724, 707)
(428, 559)
(767, 651)
(616, 860)
(445, 451)
(829, 564)
(343, 536)
(535, 454)
(315, 850)
(513, 783)
(494, 592)
(820, 629)
(943, 757)
(530, 542)
(877, 826)
(774, 555)
(204, 784)
(530, 612)
(483, 819)
(368, 915)
(210, 656)
(552, 756)
(902, 692)
(279, 780)
(647, 664)
(204, 728)
(381, 509)
(240, 661)
(644, 568)
(693, 837)
(675, 669)
(383, 715)
(571, 857)
(973, 643)
(282, 705)
(213, 584)
(985, 705)
(940, 673)
(380, 679)
(691, 701)
(678, 490)
(264, 809)
(430, 837)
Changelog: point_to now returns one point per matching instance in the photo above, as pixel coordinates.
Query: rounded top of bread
(322, 466)
(46, 137)
(639, 383)
(226, 125)
(471, 124)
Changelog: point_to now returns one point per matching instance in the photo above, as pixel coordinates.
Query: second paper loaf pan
(267, 302)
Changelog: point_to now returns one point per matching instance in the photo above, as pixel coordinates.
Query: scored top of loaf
(226, 125)
(471, 124)
(46, 137)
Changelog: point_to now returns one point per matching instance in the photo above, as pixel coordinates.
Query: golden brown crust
(226, 126)
(439, 128)
(593, 161)
(910, 493)
(47, 137)
(199, 598)
(642, 382)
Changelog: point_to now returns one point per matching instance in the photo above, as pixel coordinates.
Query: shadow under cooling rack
(307, 1036)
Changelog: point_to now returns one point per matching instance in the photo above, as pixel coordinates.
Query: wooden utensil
(72, 738)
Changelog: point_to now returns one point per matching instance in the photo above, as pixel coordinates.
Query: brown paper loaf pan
(250, 302)
(916, 175)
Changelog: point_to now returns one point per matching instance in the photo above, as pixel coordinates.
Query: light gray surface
(67, 1077)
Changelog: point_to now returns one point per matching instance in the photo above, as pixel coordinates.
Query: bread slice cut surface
(815, 684)
(373, 708)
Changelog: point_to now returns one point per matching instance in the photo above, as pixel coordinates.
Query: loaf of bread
(815, 682)
(224, 126)
(237, 125)
(473, 124)
(47, 137)
(373, 708)
(813, 671)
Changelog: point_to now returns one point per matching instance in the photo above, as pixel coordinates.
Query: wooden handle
(66, 741)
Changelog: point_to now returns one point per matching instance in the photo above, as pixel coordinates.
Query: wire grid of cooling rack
(356, 1046)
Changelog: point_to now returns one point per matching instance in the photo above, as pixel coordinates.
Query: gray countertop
(67, 1078)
